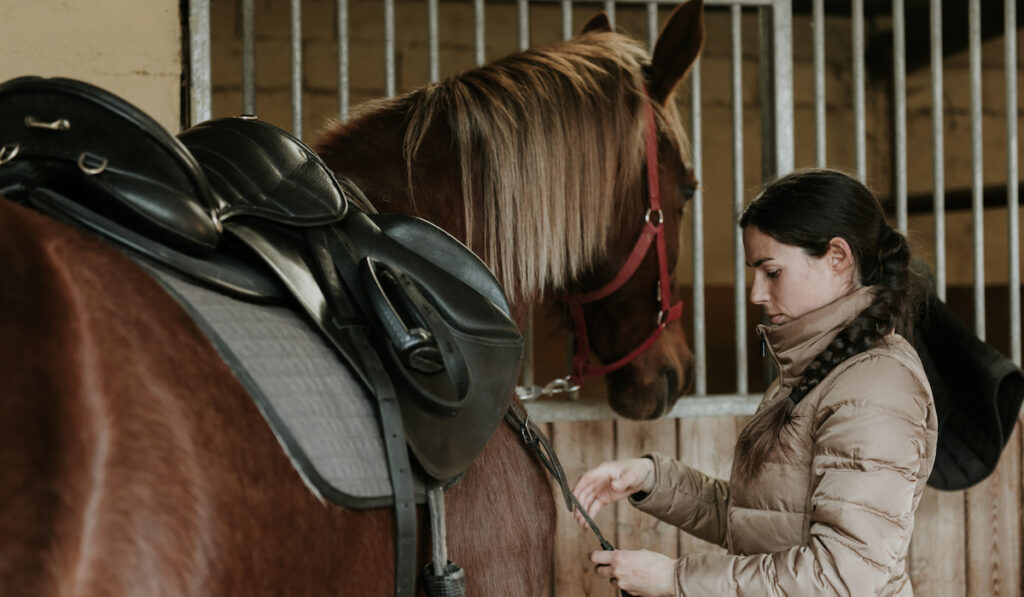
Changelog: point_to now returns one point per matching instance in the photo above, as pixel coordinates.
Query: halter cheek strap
(653, 232)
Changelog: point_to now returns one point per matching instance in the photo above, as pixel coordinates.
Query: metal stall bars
(775, 24)
(778, 120)
(778, 140)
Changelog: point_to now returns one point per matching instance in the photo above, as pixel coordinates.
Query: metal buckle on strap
(91, 170)
(61, 124)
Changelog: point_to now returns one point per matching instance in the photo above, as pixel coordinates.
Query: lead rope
(519, 420)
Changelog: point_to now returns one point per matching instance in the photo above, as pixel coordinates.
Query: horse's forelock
(550, 143)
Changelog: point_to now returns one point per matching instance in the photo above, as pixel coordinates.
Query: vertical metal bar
(739, 273)
(699, 328)
(248, 58)
(296, 27)
(652, 24)
(776, 24)
(389, 48)
(859, 137)
(478, 32)
(523, 10)
(899, 81)
(566, 19)
(1012, 198)
(977, 199)
(199, 61)
(765, 78)
(819, 82)
(609, 7)
(432, 41)
(938, 151)
(343, 59)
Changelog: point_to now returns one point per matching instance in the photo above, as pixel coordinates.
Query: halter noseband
(653, 231)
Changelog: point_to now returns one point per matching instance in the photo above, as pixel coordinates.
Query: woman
(829, 471)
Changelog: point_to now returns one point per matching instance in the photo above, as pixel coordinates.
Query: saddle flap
(449, 413)
(83, 141)
(257, 169)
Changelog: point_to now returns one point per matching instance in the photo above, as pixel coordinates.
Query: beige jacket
(832, 512)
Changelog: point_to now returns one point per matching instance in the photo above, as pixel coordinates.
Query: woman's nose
(758, 295)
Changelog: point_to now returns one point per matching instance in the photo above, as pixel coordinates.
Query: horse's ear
(677, 49)
(599, 22)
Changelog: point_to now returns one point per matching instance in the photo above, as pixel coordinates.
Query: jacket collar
(794, 344)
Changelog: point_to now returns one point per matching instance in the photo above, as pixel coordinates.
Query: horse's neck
(368, 151)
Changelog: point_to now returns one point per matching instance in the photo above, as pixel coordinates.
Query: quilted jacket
(832, 511)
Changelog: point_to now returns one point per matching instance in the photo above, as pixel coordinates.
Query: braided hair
(807, 209)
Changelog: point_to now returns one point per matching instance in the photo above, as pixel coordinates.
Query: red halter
(653, 230)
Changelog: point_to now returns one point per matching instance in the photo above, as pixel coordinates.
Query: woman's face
(788, 282)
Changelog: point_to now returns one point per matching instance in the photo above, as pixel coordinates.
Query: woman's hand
(642, 573)
(610, 482)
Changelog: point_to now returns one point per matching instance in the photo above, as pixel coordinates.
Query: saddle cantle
(131, 180)
(243, 208)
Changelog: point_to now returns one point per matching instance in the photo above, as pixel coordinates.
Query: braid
(890, 271)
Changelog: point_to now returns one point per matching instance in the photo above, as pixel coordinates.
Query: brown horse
(537, 163)
(133, 462)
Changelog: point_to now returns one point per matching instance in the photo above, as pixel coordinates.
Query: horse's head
(547, 151)
(627, 309)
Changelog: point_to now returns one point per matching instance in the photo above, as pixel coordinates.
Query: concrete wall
(129, 47)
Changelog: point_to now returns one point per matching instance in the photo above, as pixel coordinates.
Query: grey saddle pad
(322, 416)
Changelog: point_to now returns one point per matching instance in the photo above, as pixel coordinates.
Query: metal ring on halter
(61, 124)
(91, 171)
(661, 317)
(661, 216)
(560, 385)
(8, 151)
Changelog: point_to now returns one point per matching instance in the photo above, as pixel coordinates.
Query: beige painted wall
(129, 47)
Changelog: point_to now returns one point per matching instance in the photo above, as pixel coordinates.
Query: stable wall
(130, 48)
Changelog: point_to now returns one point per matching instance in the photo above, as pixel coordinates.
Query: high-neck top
(794, 344)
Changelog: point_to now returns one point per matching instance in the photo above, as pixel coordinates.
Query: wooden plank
(994, 528)
(937, 562)
(581, 446)
(635, 529)
(707, 444)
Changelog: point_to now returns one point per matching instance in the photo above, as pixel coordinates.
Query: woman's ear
(840, 257)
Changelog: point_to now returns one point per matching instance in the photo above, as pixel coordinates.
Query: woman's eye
(772, 274)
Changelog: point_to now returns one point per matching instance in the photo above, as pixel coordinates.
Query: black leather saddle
(243, 207)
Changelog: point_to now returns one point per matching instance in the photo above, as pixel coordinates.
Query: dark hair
(807, 209)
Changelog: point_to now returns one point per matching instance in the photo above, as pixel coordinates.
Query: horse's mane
(550, 141)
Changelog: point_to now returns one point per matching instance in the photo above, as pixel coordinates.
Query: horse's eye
(687, 192)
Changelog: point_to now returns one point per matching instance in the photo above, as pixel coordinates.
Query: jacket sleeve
(872, 447)
(686, 498)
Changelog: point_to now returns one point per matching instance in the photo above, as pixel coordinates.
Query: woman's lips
(775, 318)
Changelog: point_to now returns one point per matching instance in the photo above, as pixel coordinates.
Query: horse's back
(133, 462)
